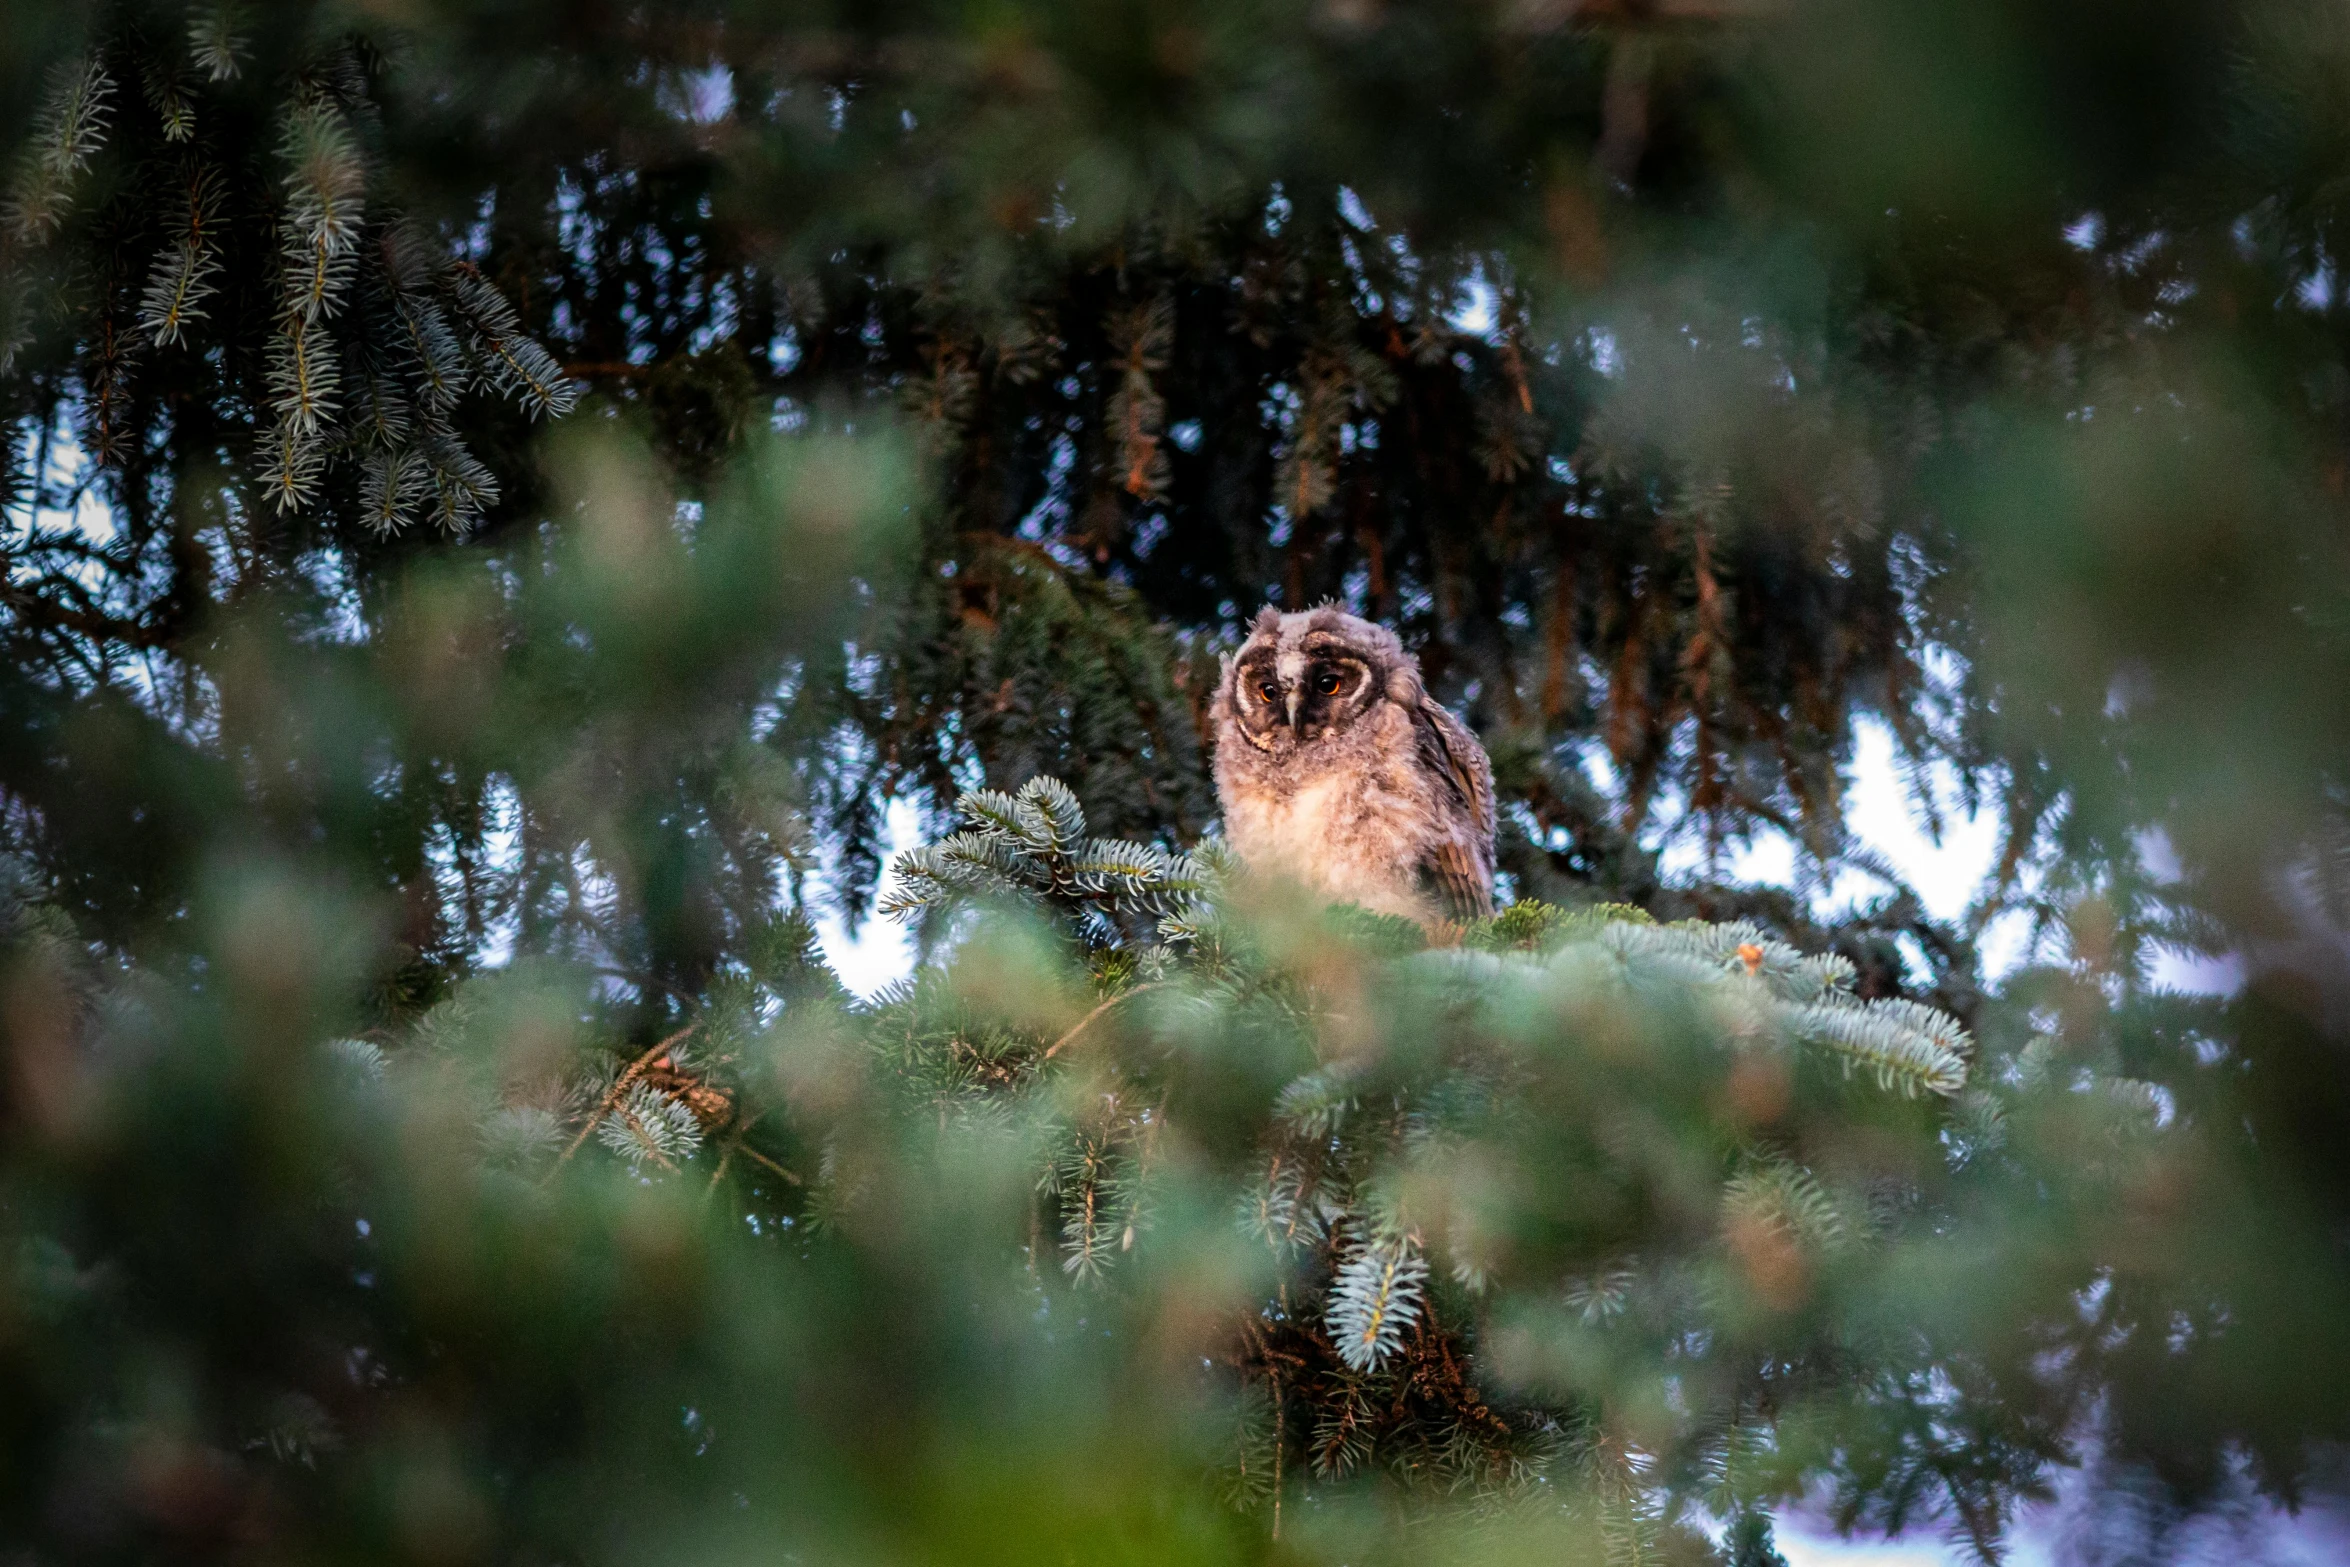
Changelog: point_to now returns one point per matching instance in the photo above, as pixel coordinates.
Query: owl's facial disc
(1285, 696)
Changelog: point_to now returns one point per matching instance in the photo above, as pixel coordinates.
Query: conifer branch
(1140, 339)
(325, 181)
(304, 380)
(167, 95)
(215, 41)
(392, 485)
(620, 1087)
(182, 276)
(176, 291)
(1375, 1298)
(292, 463)
(519, 366)
(69, 129)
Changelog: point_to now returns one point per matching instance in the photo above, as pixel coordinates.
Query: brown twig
(1086, 1021)
(1280, 1446)
(620, 1085)
(734, 1141)
(771, 1164)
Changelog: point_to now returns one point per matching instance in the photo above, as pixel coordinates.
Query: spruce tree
(499, 499)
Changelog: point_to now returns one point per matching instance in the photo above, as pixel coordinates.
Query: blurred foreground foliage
(1167, 1217)
(427, 1133)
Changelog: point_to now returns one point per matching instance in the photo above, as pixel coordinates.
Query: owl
(1334, 766)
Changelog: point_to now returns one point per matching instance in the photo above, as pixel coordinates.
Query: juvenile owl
(1335, 766)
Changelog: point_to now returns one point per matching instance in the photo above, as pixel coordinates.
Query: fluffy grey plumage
(1336, 767)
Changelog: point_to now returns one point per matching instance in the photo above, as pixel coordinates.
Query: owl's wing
(1460, 873)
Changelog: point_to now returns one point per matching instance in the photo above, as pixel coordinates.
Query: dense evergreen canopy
(499, 494)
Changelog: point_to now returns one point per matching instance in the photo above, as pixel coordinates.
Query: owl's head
(1300, 679)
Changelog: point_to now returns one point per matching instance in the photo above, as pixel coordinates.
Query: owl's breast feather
(1341, 835)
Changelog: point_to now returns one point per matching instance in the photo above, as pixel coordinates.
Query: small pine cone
(711, 1105)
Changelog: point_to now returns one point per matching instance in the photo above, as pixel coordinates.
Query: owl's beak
(1296, 694)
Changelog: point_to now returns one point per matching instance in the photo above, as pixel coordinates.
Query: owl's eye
(1327, 683)
(1270, 692)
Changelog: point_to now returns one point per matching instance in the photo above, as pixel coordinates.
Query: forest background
(501, 500)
